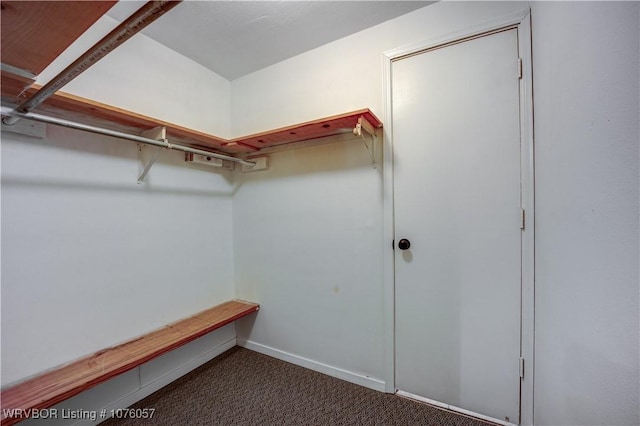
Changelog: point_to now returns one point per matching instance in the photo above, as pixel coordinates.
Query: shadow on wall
(333, 154)
(328, 155)
(244, 326)
(72, 159)
(88, 186)
(71, 139)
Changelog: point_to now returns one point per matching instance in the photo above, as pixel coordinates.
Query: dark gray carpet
(242, 387)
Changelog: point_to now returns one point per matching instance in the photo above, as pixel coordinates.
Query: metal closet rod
(120, 135)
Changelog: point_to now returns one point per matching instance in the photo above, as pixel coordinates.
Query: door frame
(522, 22)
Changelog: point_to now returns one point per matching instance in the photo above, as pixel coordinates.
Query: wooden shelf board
(79, 105)
(66, 104)
(329, 126)
(13, 84)
(34, 33)
(50, 388)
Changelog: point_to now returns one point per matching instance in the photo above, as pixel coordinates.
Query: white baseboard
(151, 387)
(171, 376)
(339, 373)
(452, 408)
(138, 388)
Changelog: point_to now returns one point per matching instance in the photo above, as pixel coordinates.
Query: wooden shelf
(76, 108)
(50, 388)
(34, 33)
(324, 127)
(13, 84)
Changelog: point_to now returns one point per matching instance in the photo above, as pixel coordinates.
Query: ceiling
(235, 38)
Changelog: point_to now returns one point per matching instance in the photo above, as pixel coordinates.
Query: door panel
(457, 199)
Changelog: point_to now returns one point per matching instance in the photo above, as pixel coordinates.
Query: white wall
(586, 84)
(306, 243)
(307, 234)
(90, 258)
(586, 129)
(144, 76)
(322, 290)
(347, 74)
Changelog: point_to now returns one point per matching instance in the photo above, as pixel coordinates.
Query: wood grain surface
(48, 389)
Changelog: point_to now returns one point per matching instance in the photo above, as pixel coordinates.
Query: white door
(456, 136)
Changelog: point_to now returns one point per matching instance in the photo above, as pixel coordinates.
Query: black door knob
(404, 244)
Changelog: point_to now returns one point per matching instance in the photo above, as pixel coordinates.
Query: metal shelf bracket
(158, 134)
(363, 124)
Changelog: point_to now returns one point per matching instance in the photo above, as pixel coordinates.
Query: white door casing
(471, 145)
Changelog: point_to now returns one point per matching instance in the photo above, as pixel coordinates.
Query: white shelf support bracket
(363, 124)
(158, 134)
(260, 163)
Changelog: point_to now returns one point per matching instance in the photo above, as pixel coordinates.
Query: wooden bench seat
(53, 387)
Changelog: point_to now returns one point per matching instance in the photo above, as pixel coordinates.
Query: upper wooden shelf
(55, 386)
(324, 127)
(34, 33)
(81, 109)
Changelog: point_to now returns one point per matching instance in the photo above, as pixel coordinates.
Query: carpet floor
(242, 387)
